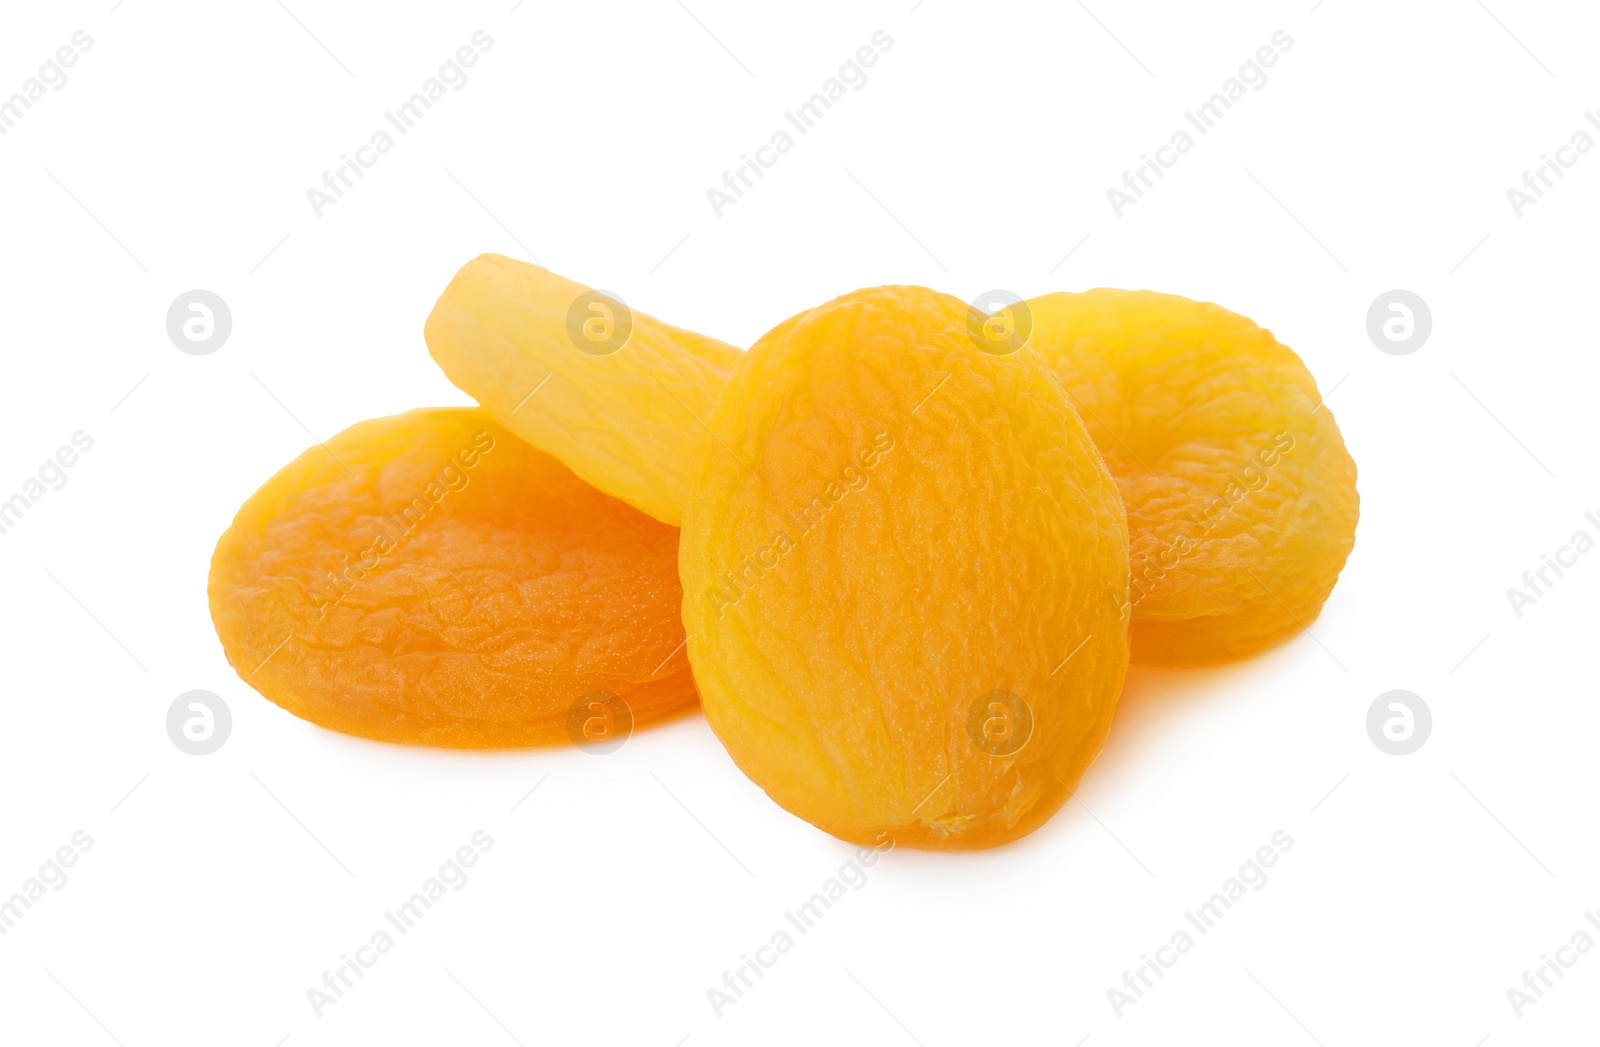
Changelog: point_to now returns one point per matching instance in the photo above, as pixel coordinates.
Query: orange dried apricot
(617, 396)
(429, 578)
(904, 569)
(1241, 497)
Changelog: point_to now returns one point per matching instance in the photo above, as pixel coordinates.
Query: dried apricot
(430, 578)
(904, 569)
(617, 396)
(1241, 497)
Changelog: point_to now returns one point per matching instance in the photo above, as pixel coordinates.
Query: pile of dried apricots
(902, 550)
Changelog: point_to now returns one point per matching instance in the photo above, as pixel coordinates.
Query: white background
(1377, 156)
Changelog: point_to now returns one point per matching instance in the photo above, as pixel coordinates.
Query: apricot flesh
(1240, 494)
(905, 568)
(429, 578)
(620, 397)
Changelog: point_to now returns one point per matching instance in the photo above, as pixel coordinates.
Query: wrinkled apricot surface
(430, 578)
(1241, 497)
(616, 395)
(904, 569)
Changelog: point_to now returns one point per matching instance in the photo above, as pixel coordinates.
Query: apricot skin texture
(890, 527)
(1241, 497)
(628, 418)
(429, 578)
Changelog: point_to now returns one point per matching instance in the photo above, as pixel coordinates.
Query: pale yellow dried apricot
(616, 395)
(429, 578)
(1241, 497)
(905, 570)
